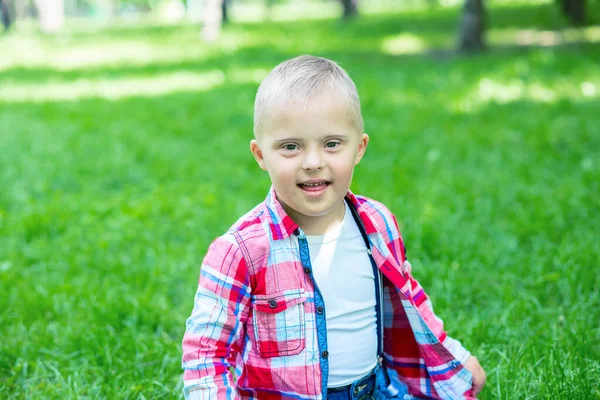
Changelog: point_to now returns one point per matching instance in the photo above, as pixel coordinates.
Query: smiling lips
(314, 185)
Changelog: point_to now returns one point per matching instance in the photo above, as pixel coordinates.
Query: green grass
(124, 153)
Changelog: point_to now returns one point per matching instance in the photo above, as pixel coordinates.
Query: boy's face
(310, 156)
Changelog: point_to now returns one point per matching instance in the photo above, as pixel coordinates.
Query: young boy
(309, 295)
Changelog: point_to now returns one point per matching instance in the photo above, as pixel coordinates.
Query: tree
(225, 11)
(22, 9)
(574, 10)
(52, 14)
(268, 9)
(472, 27)
(107, 9)
(350, 8)
(213, 16)
(195, 10)
(5, 14)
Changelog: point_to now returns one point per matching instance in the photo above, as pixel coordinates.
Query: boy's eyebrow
(297, 139)
(290, 139)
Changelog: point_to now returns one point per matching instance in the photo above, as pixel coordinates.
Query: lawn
(124, 153)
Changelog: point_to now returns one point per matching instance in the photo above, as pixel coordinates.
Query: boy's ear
(258, 155)
(362, 147)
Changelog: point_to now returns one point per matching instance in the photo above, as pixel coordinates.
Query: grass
(124, 153)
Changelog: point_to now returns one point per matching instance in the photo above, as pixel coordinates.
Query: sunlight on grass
(404, 43)
(247, 75)
(33, 53)
(506, 92)
(413, 43)
(68, 54)
(588, 89)
(490, 90)
(535, 37)
(113, 89)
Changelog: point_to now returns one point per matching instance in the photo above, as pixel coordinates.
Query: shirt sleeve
(457, 350)
(214, 331)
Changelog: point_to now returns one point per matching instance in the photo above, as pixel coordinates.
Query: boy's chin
(318, 212)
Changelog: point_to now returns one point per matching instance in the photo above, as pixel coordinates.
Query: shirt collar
(283, 226)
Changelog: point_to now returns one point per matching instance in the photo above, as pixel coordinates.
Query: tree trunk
(107, 9)
(472, 27)
(268, 9)
(21, 9)
(213, 15)
(225, 11)
(195, 10)
(575, 10)
(5, 14)
(52, 14)
(350, 8)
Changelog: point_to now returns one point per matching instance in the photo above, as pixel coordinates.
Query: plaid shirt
(256, 311)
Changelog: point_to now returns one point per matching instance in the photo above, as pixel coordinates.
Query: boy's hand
(479, 376)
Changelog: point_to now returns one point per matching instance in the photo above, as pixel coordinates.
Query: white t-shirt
(344, 275)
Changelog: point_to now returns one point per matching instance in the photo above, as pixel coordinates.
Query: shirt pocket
(279, 323)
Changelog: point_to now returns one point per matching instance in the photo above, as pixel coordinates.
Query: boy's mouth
(314, 185)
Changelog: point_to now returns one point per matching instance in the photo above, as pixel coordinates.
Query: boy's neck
(320, 225)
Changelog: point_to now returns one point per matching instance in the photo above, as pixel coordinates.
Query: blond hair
(300, 80)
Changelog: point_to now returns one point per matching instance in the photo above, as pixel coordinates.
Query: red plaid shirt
(255, 312)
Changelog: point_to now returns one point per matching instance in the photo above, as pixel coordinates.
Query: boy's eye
(332, 145)
(290, 146)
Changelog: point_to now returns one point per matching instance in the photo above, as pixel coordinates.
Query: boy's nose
(313, 161)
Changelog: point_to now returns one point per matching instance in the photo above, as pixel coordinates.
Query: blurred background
(124, 132)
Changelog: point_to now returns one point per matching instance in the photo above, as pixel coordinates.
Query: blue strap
(378, 286)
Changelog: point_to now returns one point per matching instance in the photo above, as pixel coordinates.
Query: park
(124, 153)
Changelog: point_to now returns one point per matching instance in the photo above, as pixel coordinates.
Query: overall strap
(378, 281)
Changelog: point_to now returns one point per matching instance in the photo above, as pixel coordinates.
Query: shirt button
(320, 310)
(272, 303)
(307, 270)
(325, 354)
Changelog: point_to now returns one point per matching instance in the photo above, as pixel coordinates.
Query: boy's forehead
(306, 126)
(317, 112)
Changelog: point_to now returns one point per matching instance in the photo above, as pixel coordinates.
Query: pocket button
(272, 303)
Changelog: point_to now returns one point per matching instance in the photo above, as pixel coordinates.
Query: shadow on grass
(435, 71)
(270, 43)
